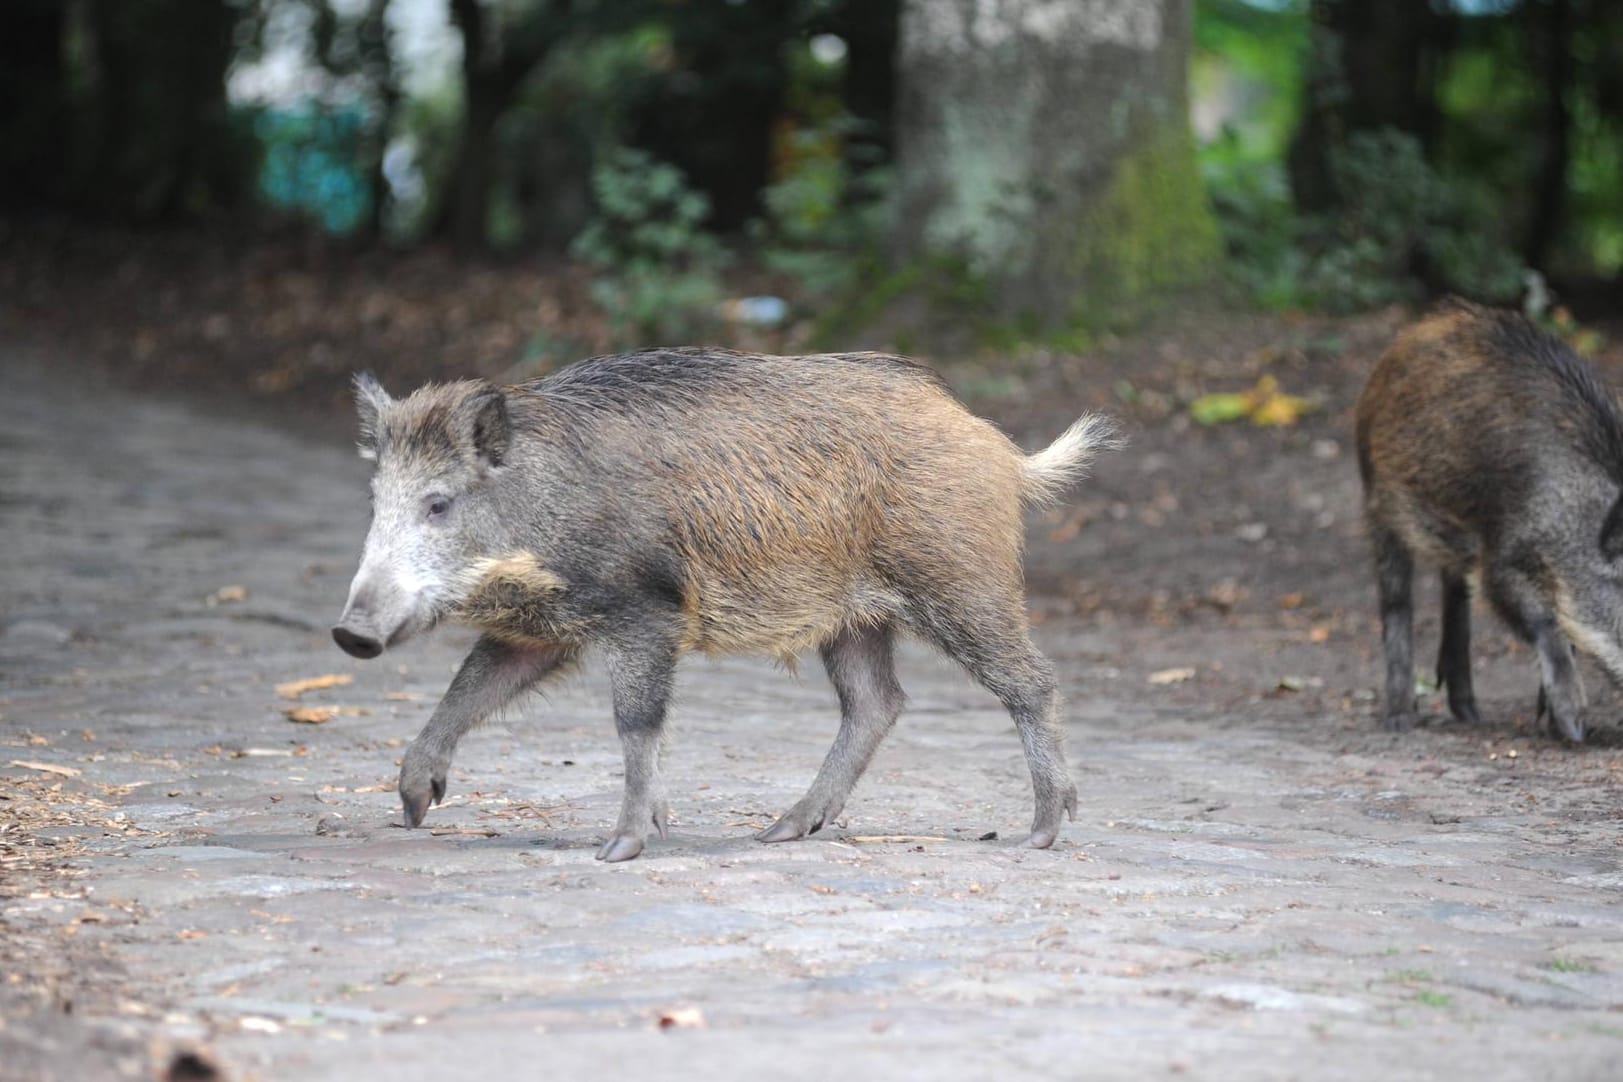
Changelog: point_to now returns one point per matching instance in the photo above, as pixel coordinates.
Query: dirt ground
(1260, 883)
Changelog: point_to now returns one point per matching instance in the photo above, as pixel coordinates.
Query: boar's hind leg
(1454, 657)
(493, 674)
(641, 675)
(861, 666)
(1560, 690)
(990, 640)
(1394, 581)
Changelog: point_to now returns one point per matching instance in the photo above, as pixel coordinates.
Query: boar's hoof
(788, 829)
(1045, 824)
(618, 848)
(1571, 727)
(1465, 711)
(415, 800)
(1400, 722)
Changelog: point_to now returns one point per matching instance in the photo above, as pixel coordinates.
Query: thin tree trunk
(379, 62)
(33, 100)
(1554, 58)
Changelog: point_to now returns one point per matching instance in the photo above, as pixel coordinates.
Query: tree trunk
(1553, 58)
(495, 61)
(1374, 64)
(1048, 142)
(33, 101)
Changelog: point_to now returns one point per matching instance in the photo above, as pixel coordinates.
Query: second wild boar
(1494, 453)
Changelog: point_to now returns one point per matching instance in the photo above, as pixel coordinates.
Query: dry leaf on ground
(48, 768)
(294, 688)
(1173, 676)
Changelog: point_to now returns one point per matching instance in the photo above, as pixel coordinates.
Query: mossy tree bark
(1048, 143)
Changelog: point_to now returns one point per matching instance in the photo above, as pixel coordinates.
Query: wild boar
(654, 503)
(1493, 452)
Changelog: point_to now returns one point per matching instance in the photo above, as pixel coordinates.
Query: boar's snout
(359, 644)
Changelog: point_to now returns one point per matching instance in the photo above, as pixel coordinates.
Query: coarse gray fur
(654, 503)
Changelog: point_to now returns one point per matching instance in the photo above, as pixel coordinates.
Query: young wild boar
(654, 503)
(1493, 452)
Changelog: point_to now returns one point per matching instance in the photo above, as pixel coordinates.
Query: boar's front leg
(1519, 601)
(493, 674)
(641, 675)
(861, 665)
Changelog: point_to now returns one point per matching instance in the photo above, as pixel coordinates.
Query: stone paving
(1244, 894)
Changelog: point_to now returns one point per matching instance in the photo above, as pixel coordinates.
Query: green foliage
(1402, 229)
(1251, 55)
(1398, 216)
(823, 221)
(1257, 222)
(657, 272)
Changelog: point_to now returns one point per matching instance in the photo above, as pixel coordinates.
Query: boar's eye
(437, 506)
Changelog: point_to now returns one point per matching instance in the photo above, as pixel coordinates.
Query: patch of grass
(1569, 965)
(1409, 976)
(1433, 999)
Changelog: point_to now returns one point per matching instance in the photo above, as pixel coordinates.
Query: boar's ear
(370, 402)
(489, 426)
(1611, 533)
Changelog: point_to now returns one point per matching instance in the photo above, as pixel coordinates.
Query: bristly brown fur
(1494, 453)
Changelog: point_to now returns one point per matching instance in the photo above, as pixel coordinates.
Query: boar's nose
(355, 644)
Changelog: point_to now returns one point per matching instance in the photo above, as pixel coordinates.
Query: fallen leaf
(227, 594)
(294, 688)
(681, 1018)
(48, 768)
(1173, 676)
(1264, 404)
(1216, 409)
(1319, 634)
(310, 715)
(191, 933)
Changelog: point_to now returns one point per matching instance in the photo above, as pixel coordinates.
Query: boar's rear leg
(1454, 656)
(492, 675)
(861, 665)
(641, 676)
(991, 641)
(1394, 582)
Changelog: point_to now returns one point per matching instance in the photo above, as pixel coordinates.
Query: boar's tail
(1063, 463)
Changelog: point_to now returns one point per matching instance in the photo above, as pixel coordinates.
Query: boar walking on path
(654, 503)
(1491, 451)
